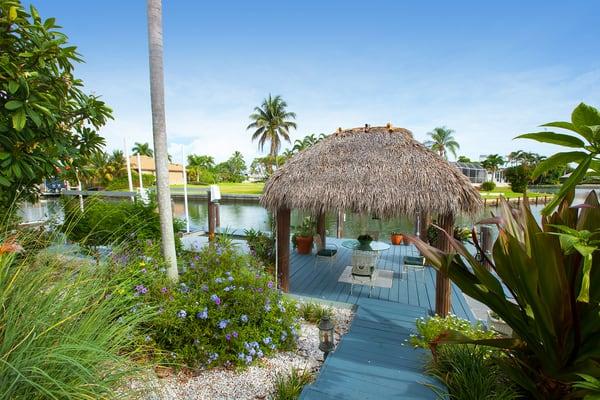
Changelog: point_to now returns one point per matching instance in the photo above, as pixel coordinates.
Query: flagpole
(185, 193)
(129, 180)
(139, 165)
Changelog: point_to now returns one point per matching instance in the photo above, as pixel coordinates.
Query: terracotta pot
(304, 244)
(397, 238)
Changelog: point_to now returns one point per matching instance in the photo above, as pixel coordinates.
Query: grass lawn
(509, 194)
(226, 188)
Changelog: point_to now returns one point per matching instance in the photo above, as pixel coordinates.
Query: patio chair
(416, 264)
(363, 268)
(324, 253)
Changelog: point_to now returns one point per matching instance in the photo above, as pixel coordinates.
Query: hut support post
(283, 248)
(340, 224)
(423, 223)
(321, 226)
(442, 282)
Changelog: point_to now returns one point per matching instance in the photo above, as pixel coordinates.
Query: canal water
(238, 216)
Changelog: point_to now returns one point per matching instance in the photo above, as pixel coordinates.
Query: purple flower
(267, 307)
(141, 289)
(259, 354)
(270, 285)
(184, 288)
(227, 289)
(248, 359)
(203, 314)
(216, 299)
(230, 278)
(223, 323)
(213, 357)
(219, 280)
(164, 290)
(259, 290)
(241, 356)
(228, 337)
(267, 340)
(181, 313)
(204, 288)
(144, 270)
(244, 318)
(235, 334)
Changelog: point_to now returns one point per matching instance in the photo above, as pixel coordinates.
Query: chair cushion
(411, 260)
(327, 252)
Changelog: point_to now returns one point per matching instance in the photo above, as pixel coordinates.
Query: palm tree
(143, 149)
(442, 141)
(492, 163)
(272, 123)
(197, 164)
(159, 134)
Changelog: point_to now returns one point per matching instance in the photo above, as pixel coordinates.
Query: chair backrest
(364, 258)
(318, 242)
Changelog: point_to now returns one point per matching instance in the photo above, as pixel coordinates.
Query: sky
(488, 70)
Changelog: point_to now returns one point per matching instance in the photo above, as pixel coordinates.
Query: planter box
(498, 325)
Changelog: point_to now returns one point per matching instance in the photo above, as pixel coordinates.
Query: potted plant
(364, 240)
(303, 237)
(396, 238)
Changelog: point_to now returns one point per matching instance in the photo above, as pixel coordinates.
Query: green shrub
(313, 312)
(472, 373)
(429, 329)
(262, 246)
(106, 222)
(65, 332)
(488, 186)
(289, 387)
(224, 311)
(518, 177)
(122, 182)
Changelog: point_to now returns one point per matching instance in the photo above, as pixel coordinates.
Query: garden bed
(255, 382)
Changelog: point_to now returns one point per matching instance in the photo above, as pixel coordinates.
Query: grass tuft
(289, 387)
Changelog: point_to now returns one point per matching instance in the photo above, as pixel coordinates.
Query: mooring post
(211, 218)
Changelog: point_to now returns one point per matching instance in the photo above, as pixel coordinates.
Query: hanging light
(326, 329)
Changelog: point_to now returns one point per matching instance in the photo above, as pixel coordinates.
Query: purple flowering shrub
(224, 311)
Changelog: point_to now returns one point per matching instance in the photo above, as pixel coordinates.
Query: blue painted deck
(371, 361)
(322, 282)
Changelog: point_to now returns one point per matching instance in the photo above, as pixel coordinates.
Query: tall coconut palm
(492, 163)
(143, 149)
(272, 123)
(442, 141)
(159, 134)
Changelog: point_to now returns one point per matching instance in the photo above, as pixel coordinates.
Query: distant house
(148, 167)
(472, 170)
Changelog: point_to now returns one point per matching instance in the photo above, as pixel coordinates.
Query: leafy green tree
(585, 124)
(232, 170)
(518, 177)
(200, 167)
(492, 163)
(143, 149)
(464, 159)
(442, 141)
(272, 123)
(47, 121)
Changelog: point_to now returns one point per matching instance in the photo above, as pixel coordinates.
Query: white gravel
(255, 382)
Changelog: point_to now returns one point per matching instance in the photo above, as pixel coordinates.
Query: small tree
(492, 163)
(47, 121)
(518, 177)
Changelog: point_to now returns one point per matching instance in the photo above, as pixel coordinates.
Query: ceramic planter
(396, 238)
(304, 244)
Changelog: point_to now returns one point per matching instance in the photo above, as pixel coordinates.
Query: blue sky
(488, 70)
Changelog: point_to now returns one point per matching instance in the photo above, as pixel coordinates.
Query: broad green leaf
(19, 119)
(558, 160)
(13, 104)
(584, 292)
(13, 86)
(584, 115)
(4, 181)
(554, 138)
(568, 185)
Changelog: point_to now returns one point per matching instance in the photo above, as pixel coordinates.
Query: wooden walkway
(417, 289)
(372, 361)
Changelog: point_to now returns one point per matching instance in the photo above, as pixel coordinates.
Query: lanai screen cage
(473, 170)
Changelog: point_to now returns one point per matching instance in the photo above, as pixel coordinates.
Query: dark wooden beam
(424, 222)
(442, 282)
(321, 226)
(283, 249)
(340, 224)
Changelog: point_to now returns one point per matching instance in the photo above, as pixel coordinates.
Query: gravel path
(255, 382)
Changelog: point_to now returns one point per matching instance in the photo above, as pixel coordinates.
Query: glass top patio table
(354, 244)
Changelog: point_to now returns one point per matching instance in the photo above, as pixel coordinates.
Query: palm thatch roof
(379, 171)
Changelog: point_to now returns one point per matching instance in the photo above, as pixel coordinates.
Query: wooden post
(341, 217)
(321, 226)
(283, 248)
(486, 243)
(442, 282)
(217, 214)
(211, 218)
(424, 222)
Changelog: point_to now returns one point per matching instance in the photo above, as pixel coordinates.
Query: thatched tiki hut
(378, 171)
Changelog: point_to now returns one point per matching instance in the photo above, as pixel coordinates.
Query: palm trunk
(157, 96)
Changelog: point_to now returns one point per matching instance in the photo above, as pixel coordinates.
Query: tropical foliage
(442, 141)
(143, 149)
(518, 177)
(47, 121)
(542, 283)
(272, 123)
(584, 135)
(492, 163)
(202, 169)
